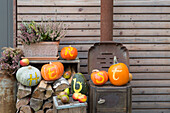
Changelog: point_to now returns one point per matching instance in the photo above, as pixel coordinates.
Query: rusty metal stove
(108, 98)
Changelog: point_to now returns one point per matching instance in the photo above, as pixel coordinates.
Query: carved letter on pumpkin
(80, 84)
(51, 72)
(100, 75)
(114, 73)
(31, 79)
(69, 49)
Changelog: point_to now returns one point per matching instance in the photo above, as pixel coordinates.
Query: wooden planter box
(41, 49)
(110, 99)
(72, 107)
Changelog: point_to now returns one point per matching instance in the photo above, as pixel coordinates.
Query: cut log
(23, 91)
(18, 111)
(50, 99)
(22, 102)
(26, 109)
(38, 94)
(49, 111)
(49, 92)
(60, 89)
(70, 79)
(72, 74)
(42, 85)
(59, 82)
(39, 91)
(47, 105)
(21, 112)
(49, 82)
(36, 104)
(40, 111)
(60, 85)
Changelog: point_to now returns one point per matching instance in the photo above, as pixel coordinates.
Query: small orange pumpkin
(52, 71)
(118, 73)
(69, 53)
(130, 77)
(99, 77)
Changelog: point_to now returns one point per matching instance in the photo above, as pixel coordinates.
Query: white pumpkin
(28, 76)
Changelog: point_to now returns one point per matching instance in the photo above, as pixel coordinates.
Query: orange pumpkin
(99, 77)
(60, 65)
(118, 74)
(69, 53)
(52, 71)
(130, 77)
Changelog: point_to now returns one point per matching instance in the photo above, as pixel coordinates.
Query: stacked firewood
(39, 99)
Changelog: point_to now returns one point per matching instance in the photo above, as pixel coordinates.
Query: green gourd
(79, 84)
(28, 76)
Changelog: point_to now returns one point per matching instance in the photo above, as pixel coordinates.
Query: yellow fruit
(67, 91)
(67, 74)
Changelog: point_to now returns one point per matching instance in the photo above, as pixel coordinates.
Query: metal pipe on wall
(106, 20)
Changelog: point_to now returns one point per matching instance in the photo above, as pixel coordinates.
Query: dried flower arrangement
(46, 31)
(9, 60)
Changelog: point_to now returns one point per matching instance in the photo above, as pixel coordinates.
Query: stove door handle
(101, 101)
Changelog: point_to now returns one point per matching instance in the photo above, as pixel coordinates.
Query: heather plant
(45, 31)
(28, 33)
(10, 59)
(51, 31)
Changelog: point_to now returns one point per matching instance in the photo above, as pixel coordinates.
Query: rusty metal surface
(106, 20)
(117, 99)
(101, 55)
(7, 94)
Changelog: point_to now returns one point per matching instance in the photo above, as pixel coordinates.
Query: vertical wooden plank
(79, 110)
(83, 110)
(14, 22)
(75, 110)
(63, 111)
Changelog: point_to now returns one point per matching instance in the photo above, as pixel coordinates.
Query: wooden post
(14, 22)
(106, 20)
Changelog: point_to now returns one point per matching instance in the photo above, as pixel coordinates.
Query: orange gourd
(118, 73)
(60, 65)
(69, 53)
(99, 77)
(52, 71)
(130, 77)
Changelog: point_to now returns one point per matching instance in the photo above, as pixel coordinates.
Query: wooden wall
(142, 25)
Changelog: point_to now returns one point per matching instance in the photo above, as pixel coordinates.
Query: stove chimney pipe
(106, 20)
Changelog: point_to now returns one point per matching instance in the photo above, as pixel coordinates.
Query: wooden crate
(72, 107)
(41, 61)
(110, 99)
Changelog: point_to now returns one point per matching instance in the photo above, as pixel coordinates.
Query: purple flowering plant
(45, 31)
(10, 59)
(28, 33)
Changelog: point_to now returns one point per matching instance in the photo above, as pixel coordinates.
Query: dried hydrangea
(10, 59)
